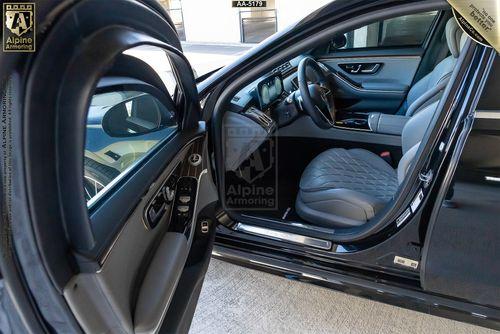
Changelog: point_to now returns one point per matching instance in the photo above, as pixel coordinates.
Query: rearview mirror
(137, 115)
(338, 42)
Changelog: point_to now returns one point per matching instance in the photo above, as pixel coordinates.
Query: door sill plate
(284, 236)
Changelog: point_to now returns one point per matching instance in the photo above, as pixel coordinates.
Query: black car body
(146, 240)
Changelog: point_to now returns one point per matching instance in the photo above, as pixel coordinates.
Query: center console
(373, 122)
(353, 120)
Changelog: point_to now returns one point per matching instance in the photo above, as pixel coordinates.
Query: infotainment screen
(269, 89)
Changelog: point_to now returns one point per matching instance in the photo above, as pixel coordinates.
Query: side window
(157, 59)
(122, 127)
(408, 30)
(124, 124)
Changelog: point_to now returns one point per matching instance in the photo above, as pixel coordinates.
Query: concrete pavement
(240, 300)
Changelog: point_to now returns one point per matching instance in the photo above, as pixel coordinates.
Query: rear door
(111, 182)
(375, 65)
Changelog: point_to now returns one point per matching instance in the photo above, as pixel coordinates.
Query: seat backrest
(413, 132)
(424, 91)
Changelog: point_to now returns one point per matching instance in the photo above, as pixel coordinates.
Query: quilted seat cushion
(356, 169)
(345, 188)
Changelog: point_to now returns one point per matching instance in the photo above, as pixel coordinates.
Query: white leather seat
(346, 188)
(426, 90)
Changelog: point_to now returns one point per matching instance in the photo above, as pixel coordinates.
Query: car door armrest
(160, 282)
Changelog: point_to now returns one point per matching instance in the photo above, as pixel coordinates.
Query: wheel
(96, 177)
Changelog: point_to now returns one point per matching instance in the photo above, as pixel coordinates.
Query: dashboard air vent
(282, 68)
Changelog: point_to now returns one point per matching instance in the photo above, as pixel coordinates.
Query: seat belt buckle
(386, 155)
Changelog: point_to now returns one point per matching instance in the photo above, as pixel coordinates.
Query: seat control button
(168, 194)
(183, 208)
(184, 199)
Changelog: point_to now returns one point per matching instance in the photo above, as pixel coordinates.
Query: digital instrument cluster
(269, 90)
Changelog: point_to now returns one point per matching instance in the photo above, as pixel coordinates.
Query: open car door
(109, 208)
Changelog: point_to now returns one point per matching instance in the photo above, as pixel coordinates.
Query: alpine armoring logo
(253, 184)
(18, 27)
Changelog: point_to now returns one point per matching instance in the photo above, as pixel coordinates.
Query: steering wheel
(316, 93)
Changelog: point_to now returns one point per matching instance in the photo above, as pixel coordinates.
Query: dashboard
(268, 91)
(260, 108)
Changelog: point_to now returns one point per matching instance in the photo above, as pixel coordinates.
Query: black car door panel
(374, 65)
(128, 280)
(109, 122)
(381, 91)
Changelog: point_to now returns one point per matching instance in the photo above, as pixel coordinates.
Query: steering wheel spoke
(317, 96)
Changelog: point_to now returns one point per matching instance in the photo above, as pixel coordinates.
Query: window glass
(489, 98)
(257, 24)
(157, 59)
(122, 127)
(408, 30)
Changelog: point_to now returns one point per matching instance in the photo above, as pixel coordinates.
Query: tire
(96, 177)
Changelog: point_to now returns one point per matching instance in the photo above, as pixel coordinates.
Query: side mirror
(338, 42)
(137, 115)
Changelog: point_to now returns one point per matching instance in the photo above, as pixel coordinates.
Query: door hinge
(426, 177)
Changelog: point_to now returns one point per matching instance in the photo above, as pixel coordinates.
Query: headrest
(453, 34)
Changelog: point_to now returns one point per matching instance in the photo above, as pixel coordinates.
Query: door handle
(360, 68)
(352, 68)
(370, 68)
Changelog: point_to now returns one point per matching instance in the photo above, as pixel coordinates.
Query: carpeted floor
(240, 300)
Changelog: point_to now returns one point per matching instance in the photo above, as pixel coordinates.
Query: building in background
(174, 9)
(216, 21)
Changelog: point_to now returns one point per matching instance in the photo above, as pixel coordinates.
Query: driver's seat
(346, 188)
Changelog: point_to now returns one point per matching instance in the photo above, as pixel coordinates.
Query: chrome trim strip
(289, 222)
(345, 128)
(487, 114)
(492, 178)
(354, 59)
(195, 208)
(284, 236)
